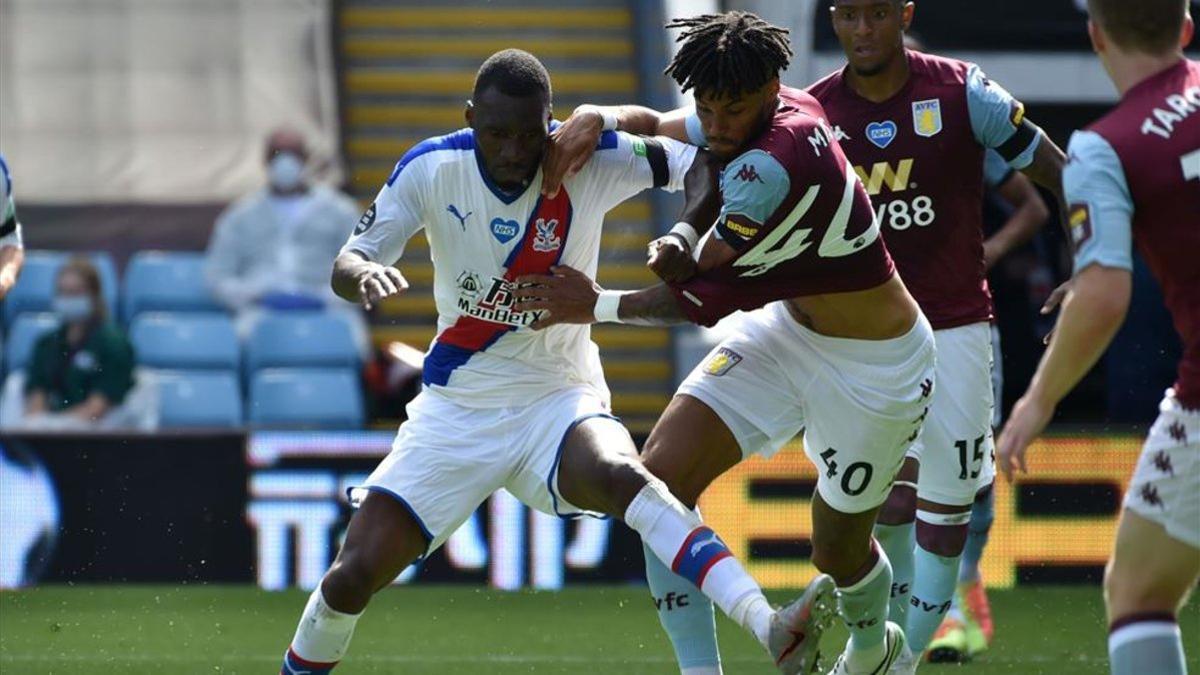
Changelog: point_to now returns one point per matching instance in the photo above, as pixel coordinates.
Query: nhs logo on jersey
(504, 230)
(881, 133)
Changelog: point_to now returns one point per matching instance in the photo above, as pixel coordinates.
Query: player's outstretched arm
(571, 145)
(567, 295)
(1093, 311)
(359, 280)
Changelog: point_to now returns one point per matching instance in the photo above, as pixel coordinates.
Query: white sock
(679, 538)
(323, 635)
(702, 670)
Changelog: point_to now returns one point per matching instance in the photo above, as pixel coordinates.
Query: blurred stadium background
(185, 544)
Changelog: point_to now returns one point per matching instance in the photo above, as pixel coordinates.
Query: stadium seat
(185, 341)
(306, 398)
(23, 335)
(199, 399)
(35, 287)
(164, 281)
(300, 340)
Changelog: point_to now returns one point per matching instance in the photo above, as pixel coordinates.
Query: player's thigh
(690, 447)
(383, 538)
(1150, 570)
(1158, 541)
(956, 442)
(570, 447)
(445, 461)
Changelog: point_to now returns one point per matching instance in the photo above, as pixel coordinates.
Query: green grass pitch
(57, 630)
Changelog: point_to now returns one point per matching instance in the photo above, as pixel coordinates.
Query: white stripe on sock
(944, 518)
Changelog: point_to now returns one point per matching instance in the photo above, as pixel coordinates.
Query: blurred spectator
(81, 373)
(12, 251)
(274, 248)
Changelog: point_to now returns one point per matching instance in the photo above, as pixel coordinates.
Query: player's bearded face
(729, 122)
(510, 133)
(871, 32)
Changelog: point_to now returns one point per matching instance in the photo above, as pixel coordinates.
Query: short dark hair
(1148, 26)
(728, 54)
(514, 72)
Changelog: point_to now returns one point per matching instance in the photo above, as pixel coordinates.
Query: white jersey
(481, 239)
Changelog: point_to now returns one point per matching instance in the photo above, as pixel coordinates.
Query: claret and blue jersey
(482, 238)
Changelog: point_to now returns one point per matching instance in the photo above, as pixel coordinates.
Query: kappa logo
(462, 220)
(748, 174)
(927, 117)
(1162, 462)
(1178, 432)
(546, 240)
(722, 361)
(881, 134)
(366, 221)
(504, 230)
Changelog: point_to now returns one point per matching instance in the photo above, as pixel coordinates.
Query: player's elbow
(1106, 293)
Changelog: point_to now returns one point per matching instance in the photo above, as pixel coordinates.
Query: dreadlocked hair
(728, 54)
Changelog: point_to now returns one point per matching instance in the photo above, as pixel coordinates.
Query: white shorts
(997, 379)
(448, 458)
(1166, 482)
(860, 403)
(956, 447)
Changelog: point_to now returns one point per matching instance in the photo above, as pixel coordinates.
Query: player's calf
(941, 535)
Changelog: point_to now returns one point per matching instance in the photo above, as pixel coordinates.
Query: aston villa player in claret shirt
(916, 127)
(1134, 179)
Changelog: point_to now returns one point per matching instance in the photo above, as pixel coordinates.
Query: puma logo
(699, 546)
(462, 220)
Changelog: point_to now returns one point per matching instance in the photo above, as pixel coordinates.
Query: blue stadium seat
(185, 341)
(306, 398)
(199, 399)
(164, 281)
(300, 340)
(26, 330)
(35, 287)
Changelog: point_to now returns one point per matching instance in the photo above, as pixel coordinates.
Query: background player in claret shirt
(839, 349)
(1134, 176)
(503, 406)
(916, 127)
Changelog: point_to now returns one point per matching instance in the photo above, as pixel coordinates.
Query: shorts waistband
(889, 351)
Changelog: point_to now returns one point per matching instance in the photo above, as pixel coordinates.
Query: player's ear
(1189, 31)
(1096, 36)
(772, 88)
(469, 114)
(906, 15)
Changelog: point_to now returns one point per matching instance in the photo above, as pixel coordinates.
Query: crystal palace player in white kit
(504, 406)
(1133, 177)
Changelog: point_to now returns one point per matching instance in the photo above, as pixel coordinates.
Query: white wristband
(607, 305)
(609, 117)
(688, 233)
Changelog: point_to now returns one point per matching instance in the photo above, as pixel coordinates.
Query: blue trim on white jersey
(608, 140)
(562, 444)
(463, 139)
(443, 359)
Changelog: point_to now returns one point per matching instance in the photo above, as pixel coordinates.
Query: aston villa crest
(927, 117)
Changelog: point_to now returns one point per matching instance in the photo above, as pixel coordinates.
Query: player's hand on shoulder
(671, 259)
(566, 295)
(377, 282)
(570, 147)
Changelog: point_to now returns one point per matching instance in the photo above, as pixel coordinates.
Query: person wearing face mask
(82, 371)
(273, 249)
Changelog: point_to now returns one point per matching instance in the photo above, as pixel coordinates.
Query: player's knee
(1129, 591)
(944, 540)
(900, 507)
(350, 583)
(686, 486)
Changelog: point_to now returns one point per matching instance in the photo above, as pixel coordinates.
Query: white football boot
(896, 657)
(796, 629)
